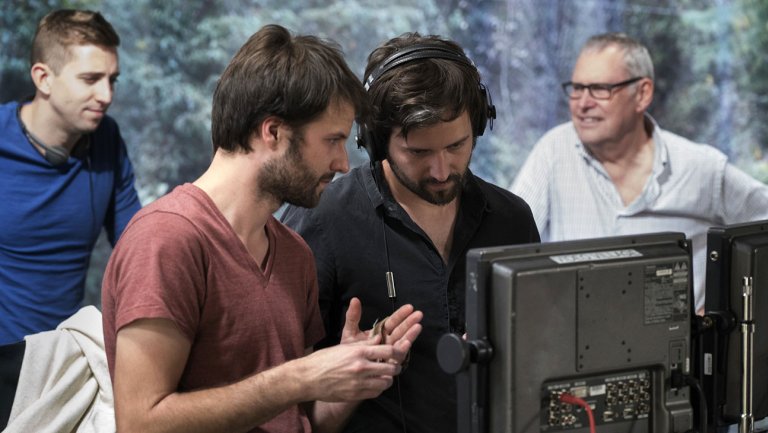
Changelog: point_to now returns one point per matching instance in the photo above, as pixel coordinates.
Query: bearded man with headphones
(396, 231)
(64, 173)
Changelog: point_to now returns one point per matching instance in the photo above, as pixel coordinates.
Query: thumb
(354, 313)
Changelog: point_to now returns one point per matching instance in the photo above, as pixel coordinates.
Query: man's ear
(41, 76)
(645, 90)
(273, 132)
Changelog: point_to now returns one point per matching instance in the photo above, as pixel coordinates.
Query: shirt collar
(372, 178)
(660, 151)
(659, 172)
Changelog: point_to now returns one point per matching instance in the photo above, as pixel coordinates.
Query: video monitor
(737, 262)
(605, 321)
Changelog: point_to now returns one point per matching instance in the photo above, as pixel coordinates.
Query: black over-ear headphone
(377, 151)
(55, 155)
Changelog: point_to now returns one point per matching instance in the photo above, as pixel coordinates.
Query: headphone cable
(392, 294)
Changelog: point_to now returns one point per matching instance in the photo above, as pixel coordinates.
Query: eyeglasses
(597, 90)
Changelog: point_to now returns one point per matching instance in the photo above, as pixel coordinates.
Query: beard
(290, 180)
(440, 198)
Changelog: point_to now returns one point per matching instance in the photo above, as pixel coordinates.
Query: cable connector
(572, 399)
(677, 379)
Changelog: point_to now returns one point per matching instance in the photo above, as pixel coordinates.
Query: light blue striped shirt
(692, 187)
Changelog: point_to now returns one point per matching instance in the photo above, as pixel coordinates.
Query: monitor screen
(605, 320)
(735, 253)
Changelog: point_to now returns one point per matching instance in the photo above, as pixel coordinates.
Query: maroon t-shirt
(179, 259)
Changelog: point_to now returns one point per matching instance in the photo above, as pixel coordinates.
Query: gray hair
(637, 59)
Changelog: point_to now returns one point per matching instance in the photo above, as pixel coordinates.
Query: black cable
(694, 383)
(397, 382)
(92, 193)
(386, 252)
(392, 295)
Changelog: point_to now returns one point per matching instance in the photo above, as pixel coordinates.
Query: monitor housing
(606, 320)
(735, 252)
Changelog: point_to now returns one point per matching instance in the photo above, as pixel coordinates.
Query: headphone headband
(377, 151)
(415, 52)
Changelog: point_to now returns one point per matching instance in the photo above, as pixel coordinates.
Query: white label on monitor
(708, 364)
(597, 389)
(595, 256)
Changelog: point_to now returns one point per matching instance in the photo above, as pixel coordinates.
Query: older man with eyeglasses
(613, 171)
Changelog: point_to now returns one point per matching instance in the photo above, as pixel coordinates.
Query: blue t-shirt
(50, 220)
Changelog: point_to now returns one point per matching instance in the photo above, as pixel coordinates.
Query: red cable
(571, 399)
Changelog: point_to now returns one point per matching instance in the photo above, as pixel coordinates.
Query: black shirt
(346, 232)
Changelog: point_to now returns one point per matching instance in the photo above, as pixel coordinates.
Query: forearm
(327, 417)
(238, 407)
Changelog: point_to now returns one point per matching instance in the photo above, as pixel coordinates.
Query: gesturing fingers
(351, 331)
(404, 343)
(402, 324)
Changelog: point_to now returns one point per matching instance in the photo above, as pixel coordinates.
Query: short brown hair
(276, 74)
(63, 28)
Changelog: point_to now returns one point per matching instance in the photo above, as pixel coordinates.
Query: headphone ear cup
(490, 113)
(365, 140)
(56, 155)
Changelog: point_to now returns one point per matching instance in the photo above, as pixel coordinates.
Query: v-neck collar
(242, 253)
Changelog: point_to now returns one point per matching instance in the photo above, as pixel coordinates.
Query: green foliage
(750, 29)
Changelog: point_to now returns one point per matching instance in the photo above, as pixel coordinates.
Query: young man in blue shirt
(64, 173)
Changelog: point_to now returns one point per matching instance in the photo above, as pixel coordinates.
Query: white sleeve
(744, 198)
(532, 184)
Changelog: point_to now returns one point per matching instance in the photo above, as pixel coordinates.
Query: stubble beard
(440, 198)
(290, 180)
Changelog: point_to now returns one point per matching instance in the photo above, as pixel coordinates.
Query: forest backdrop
(710, 58)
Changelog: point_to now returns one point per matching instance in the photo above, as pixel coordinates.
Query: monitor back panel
(608, 327)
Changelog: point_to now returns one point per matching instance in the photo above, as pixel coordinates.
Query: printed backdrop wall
(712, 76)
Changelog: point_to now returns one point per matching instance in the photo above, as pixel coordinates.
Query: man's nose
(439, 167)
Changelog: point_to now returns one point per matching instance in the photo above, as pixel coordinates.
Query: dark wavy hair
(422, 92)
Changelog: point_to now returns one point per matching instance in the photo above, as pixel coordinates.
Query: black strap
(11, 357)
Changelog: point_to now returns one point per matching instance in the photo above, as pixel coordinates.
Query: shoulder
(507, 218)
(500, 200)
(8, 119)
(8, 111)
(8, 124)
(684, 149)
(558, 143)
(565, 132)
(174, 215)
